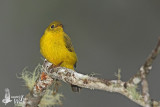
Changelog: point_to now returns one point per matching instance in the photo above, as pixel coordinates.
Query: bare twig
(147, 66)
(145, 93)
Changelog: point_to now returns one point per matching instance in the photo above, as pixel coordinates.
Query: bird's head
(55, 26)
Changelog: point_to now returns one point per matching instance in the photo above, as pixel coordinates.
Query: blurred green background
(106, 34)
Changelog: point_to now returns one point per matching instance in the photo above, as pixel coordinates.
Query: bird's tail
(75, 88)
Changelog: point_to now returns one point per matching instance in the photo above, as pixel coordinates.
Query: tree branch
(127, 89)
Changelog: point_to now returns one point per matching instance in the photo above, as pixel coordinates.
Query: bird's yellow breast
(52, 47)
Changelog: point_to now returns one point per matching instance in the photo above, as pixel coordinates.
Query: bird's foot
(54, 66)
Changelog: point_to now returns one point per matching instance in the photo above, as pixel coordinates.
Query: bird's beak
(60, 25)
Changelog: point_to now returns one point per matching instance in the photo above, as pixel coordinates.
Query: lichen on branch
(43, 97)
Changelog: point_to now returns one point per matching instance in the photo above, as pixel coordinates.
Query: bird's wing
(68, 43)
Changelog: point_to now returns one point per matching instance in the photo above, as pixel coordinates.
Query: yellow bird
(57, 48)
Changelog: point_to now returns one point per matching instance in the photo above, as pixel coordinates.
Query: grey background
(106, 34)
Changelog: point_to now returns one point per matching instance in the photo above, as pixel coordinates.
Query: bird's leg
(54, 66)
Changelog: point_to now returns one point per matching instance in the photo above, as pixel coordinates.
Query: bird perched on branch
(57, 48)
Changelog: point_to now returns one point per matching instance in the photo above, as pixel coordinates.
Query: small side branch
(147, 66)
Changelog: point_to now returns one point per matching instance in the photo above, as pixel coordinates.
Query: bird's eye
(52, 26)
